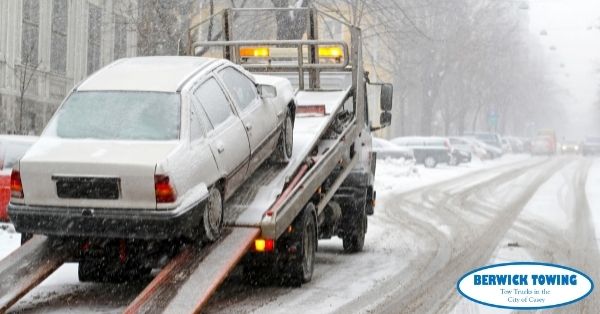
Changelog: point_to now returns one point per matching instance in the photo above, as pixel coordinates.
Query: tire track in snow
(430, 278)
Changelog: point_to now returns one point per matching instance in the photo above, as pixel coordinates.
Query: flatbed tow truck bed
(328, 182)
(267, 200)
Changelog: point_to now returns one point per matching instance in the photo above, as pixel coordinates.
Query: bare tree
(28, 69)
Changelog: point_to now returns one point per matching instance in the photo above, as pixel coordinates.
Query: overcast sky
(567, 23)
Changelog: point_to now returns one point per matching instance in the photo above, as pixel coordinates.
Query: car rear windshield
(119, 115)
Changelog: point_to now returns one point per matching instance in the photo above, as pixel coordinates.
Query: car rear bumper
(107, 222)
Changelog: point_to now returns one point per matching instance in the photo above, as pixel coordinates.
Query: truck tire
(212, 216)
(354, 241)
(285, 145)
(298, 268)
(430, 162)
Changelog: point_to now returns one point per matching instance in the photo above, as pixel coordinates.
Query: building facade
(48, 46)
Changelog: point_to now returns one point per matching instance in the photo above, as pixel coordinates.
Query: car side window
(198, 122)
(242, 89)
(214, 102)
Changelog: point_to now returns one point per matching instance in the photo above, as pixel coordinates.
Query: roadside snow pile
(390, 172)
(9, 239)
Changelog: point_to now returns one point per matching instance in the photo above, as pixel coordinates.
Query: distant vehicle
(506, 147)
(150, 148)
(492, 139)
(12, 148)
(428, 151)
(493, 151)
(386, 149)
(542, 145)
(570, 147)
(470, 145)
(551, 135)
(459, 156)
(516, 144)
(591, 145)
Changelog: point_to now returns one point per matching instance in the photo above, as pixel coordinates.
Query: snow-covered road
(430, 227)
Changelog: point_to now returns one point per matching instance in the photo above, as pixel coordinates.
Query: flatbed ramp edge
(27, 267)
(189, 280)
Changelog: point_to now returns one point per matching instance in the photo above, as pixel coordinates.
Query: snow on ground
(393, 176)
(541, 232)
(592, 190)
(9, 239)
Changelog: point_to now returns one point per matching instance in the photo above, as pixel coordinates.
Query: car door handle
(220, 147)
(248, 127)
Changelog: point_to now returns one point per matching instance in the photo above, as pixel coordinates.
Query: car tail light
(264, 245)
(16, 187)
(165, 193)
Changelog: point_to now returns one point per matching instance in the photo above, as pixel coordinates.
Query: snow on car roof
(159, 74)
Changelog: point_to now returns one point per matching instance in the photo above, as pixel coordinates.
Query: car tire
(285, 145)
(298, 268)
(212, 216)
(430, 162)
(453, 161)
(26, 237)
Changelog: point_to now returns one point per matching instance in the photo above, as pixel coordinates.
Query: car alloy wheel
(212, 217)
(430, 162)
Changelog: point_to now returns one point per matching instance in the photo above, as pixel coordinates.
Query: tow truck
(274, 221)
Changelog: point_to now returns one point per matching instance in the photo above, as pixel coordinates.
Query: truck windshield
(120, 115)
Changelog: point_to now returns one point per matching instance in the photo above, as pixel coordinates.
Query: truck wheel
(299, 268)
(212, 216)
(283, 152)
(430, 162)
(354, 240)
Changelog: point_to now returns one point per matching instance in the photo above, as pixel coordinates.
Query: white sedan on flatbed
(150, 148)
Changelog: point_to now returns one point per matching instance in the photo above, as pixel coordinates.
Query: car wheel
(212, 216)
(453, 161)
(26, 237)
(430, 162)
(285, 145)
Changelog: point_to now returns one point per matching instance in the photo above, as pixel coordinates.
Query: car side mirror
(387, 94)
(267, 91)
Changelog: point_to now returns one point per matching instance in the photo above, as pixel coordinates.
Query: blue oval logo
(525, 285)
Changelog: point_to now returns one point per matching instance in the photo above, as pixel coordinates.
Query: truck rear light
(16, 187)
(264, 245)
(165, 193)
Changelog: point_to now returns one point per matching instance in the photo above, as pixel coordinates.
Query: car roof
(159, 74)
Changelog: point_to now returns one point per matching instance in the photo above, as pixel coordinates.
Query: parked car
(506, 147)
(492, 139)
(12, 148)
(150, 148)
(386, 149)
(542, 145)
(470, 145)
(570, 147)
(591, 145)
(516, 144)
(428, 151)
(459, 156)
(492, 151)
